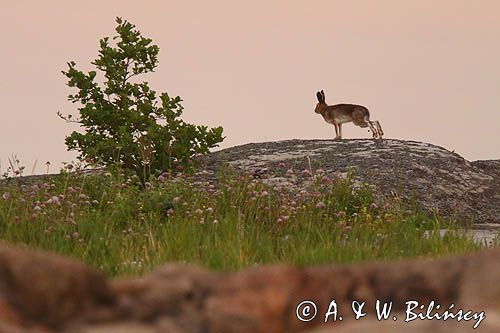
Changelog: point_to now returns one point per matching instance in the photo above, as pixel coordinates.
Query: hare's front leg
(337, 137)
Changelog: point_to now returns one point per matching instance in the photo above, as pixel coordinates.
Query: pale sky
(427, 70)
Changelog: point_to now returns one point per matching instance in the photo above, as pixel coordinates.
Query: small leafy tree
(126, 122)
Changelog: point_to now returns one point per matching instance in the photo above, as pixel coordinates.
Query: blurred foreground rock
(42, 292)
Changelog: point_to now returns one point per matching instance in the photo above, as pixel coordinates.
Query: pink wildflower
(320, 205)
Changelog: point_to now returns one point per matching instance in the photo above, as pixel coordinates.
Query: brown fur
(344, 113)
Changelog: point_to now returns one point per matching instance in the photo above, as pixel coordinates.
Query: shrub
(126, 122)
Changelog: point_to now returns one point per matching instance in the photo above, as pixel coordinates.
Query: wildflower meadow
(113, 221)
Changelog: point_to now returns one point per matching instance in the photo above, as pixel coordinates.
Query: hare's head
(321, 102)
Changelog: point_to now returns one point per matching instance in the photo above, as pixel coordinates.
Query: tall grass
(115, 223)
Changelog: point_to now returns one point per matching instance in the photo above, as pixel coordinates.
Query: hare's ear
(323, 95)
(318, 95)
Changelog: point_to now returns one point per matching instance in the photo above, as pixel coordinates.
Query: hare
(344, 113)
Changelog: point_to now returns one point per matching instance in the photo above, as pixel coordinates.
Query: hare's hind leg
(379, 129)
(373, 129)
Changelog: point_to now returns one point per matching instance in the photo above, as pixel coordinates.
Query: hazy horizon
(427, 71)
